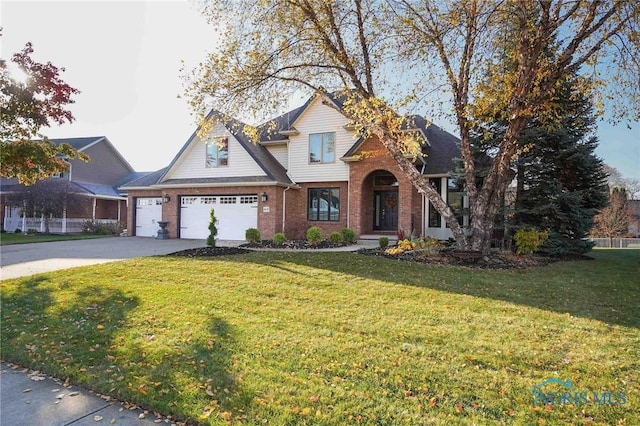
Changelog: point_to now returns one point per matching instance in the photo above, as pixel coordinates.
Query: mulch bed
(294, 245)
(495, 261)
(209, 252)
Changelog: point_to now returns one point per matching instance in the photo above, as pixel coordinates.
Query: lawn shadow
(604, 289)
(86, 335)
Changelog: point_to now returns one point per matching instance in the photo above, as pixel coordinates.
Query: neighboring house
(96, 182)
(308, 169)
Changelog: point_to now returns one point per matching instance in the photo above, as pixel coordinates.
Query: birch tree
(388, 59)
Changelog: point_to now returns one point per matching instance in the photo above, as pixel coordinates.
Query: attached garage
(234, 214)
(148, 214)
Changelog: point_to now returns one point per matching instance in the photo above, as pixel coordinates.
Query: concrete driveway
(21, 260)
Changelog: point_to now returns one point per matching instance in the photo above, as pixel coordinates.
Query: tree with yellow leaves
(389, 58)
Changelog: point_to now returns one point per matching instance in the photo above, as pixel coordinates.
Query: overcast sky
(125, 57)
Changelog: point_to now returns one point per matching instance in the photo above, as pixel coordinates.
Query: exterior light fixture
(166, 198)
(264, 197)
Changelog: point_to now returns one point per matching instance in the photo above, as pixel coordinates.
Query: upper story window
(322, 147)
(217, 152)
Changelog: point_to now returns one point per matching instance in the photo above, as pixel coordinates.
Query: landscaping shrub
(529, 240)
(348, 235)
(383, 242)
(401, 247)
(336, 238)
(93, 227)
(252, 235)
(314, 235)
(279, 239)
(32, 231)
(213, 231)
(18, 231)
(429, 246)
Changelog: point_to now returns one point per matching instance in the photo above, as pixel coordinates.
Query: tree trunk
(424, 187)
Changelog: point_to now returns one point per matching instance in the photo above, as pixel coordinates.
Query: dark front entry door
(385, 206)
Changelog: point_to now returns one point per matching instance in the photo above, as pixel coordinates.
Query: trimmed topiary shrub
(383, 242)
(279, 239)
(213, 231)
(252, 235)
(314, 235)
(348, 235)
(335, 238)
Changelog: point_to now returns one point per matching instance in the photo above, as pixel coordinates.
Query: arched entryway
(380, 202)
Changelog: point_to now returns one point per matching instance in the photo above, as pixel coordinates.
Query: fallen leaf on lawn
(432, 402)
(210, 392)
(459, 408)
(100, 327)
(143, 389)
(142, 416)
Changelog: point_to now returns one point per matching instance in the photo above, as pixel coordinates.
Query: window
(455, 196)
(228, 200)
(249, 199)
(324, 204)
(217, 152)
(207, 200)
(435, 221)
(322, 148)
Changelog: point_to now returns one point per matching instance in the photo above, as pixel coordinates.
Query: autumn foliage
(26, 107)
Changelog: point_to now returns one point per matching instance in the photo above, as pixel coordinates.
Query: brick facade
(362, 191)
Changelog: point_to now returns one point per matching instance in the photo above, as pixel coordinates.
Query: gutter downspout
(284, 193)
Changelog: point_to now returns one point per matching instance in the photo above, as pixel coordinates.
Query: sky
(126, 57)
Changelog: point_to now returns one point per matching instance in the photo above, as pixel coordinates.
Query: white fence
(56, 225)
(616, 242)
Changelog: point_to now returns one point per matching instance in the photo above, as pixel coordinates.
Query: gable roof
(82, 144)
(79, 144)
(441, 148)
(275, 172)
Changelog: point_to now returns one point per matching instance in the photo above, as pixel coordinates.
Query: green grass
(7, 238)
(336, 338)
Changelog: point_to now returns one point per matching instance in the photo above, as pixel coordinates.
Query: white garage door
(235, 214)
(148, 213)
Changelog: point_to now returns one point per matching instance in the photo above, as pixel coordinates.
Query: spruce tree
(561, 182)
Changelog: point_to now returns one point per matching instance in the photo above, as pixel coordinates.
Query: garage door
(235, 214)
(148, 213)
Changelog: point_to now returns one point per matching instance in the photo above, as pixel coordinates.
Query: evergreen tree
(561, 182)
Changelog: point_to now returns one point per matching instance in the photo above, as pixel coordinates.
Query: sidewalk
(29, 398)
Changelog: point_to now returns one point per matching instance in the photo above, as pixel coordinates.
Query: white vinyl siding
(280, 153)
(319, 118)
(192, 163)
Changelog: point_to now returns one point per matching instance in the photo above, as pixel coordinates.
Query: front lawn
(338, 338)
(8, 238)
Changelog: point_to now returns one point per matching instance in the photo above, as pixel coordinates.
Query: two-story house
(306, 170)
(95, 184)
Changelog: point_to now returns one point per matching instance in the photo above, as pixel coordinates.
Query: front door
(385, 206)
